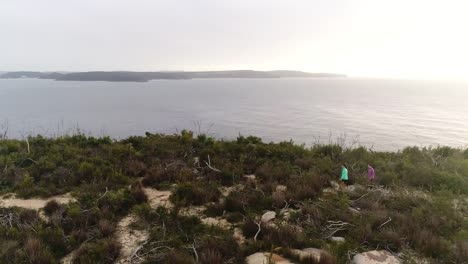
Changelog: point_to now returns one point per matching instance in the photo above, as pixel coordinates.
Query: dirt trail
(10, 200)
(131, 239)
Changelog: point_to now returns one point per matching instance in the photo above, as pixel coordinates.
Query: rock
(250, 177)
(375, 257)
(238, 236)
(268, 216)
(281, 188)
(265, 257)
(338, 239)
(220, 222)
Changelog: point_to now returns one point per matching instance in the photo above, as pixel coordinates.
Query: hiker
(344, 175)
(370, 173)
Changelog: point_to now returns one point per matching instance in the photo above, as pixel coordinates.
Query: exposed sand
(131, 239)
(10, 200)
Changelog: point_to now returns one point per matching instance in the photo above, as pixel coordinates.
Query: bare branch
(386, 222)
(258, 232)
(194, 251)
(209, 165)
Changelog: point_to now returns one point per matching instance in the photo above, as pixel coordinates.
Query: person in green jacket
(344, 175)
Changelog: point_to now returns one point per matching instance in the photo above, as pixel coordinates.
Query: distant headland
(131, 76)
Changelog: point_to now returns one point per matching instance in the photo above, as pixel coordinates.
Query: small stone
(268, 216)
(375, 257)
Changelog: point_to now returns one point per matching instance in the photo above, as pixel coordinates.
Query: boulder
(265, 257)
(375, 257)
(268, 216)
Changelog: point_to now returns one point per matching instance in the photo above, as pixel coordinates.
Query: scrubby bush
(195, 194)
(178, 257)
(106, 228)
(51, 207)
(424, 197)
(101, 251)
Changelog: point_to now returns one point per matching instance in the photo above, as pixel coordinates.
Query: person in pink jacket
(370, 173)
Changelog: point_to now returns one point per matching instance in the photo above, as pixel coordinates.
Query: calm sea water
(386, 114)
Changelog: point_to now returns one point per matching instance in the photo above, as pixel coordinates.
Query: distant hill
(21, 74)
(128, 76)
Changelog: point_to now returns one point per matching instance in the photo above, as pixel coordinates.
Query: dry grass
(106, 227)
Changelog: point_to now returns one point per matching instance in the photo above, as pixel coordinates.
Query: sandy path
(131, 239)
(10, 200)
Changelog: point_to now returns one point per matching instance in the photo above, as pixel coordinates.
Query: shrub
(305, 187)
(28, 216)
(217, 249)
(54, 238)
(247, 200)
(277, 172)
(279, 199)
(195, 194)
(138, 193)
(102, 251)
(105, 227)
(214, 209)
(461, 252)
(250, 228)
(234, 217)
(51, 207)
(211, 256)
(178, 257)
(284, 236)
(36, 252)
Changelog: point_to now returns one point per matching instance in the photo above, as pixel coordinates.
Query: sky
(416, 39)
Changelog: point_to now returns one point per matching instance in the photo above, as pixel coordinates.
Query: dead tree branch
(209, 165)
(386, 222)
(258, 232)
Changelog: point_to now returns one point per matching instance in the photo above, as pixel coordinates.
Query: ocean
(383, 114)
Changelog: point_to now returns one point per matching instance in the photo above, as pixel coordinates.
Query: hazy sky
(393, 38)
